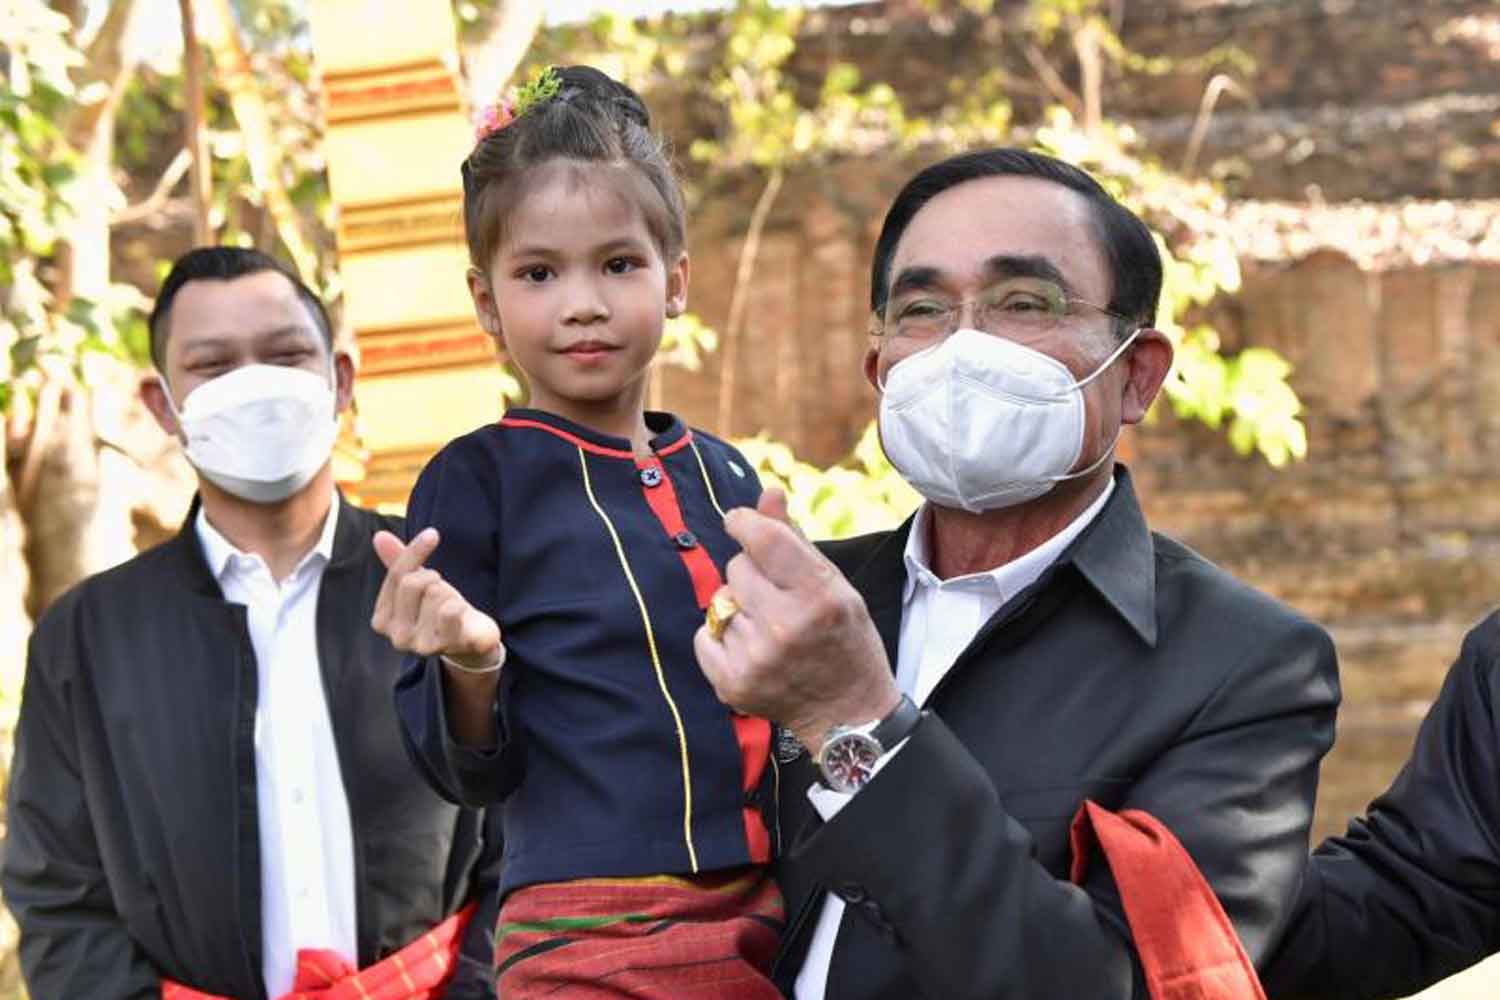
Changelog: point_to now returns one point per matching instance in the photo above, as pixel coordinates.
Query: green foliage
(39, 193)
(149, 131)
(538, 91)
(1248, 391)
(764, 124)
(642, 54)
(766, 128)
(861, 494)
(685, 340)
(1049, 19)
(278, 44)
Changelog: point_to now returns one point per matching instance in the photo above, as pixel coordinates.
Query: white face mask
(978, 422)
(260, 432)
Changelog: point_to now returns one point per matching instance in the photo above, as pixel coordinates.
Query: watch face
(847, 761)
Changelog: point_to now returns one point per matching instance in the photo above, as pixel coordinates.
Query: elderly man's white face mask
(978, 422)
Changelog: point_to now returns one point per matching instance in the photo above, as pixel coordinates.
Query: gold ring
(721, 607)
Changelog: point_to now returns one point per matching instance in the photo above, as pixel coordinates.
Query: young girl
(578, 544)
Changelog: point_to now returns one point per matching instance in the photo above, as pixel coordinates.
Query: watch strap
(897, 725)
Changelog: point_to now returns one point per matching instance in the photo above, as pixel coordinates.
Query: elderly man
(209, 794)
(1410, 894)
(963, 683)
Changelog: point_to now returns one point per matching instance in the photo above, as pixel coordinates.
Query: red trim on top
(597, 449)
(663, 500)
(679, 444)
(753, 735)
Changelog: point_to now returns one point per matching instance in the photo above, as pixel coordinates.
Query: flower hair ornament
(506, 110)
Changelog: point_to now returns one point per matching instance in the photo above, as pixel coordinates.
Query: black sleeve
(1410, 894)
(474, 978)
(927, 851)
(455, 495)
(73, 941)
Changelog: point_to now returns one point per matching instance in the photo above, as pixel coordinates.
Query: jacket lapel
(881, 580)
(341, 601)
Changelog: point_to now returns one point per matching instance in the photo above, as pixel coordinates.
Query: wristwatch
(848, 755)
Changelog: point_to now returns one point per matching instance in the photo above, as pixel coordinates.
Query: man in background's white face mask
(251, 385)
(260, 432)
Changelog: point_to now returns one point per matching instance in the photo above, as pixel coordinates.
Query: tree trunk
(261, 148)
(75, 526)
(103, 62)
(740, 299)
(15, 577)
(68, 532)
(83, 252)
(192, 97)
(1091, 73)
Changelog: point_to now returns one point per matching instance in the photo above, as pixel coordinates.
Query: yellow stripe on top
(712, 497)
(661, 677)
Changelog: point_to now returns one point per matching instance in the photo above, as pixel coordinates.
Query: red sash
(416, 972)
(1187, 945)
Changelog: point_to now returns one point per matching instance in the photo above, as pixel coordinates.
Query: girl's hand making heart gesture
(421, 613)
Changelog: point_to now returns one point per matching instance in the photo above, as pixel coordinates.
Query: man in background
(209, 794)
(1410, 894)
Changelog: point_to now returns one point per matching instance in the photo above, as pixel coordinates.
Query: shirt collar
(220, 551)
(1009, 578)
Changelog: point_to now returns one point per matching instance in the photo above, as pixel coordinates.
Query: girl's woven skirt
(656, 937)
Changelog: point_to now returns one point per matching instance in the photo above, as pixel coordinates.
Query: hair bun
(588, 83)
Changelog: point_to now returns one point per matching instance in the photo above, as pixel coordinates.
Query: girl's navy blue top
(612, 755)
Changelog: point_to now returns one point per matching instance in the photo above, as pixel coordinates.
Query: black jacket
(1133, 673)
(1410, 894)
(133, 849)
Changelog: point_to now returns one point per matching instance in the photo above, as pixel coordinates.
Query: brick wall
(1371, 99)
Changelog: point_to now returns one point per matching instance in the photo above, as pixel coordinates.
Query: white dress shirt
(939, 618)
(306, 842)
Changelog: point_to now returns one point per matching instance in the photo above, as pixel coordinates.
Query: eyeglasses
(1023, 309)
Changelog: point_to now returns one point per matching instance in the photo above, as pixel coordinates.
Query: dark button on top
(685, 540)
(650, 476)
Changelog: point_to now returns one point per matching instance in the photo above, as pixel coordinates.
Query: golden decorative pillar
(397, 131)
